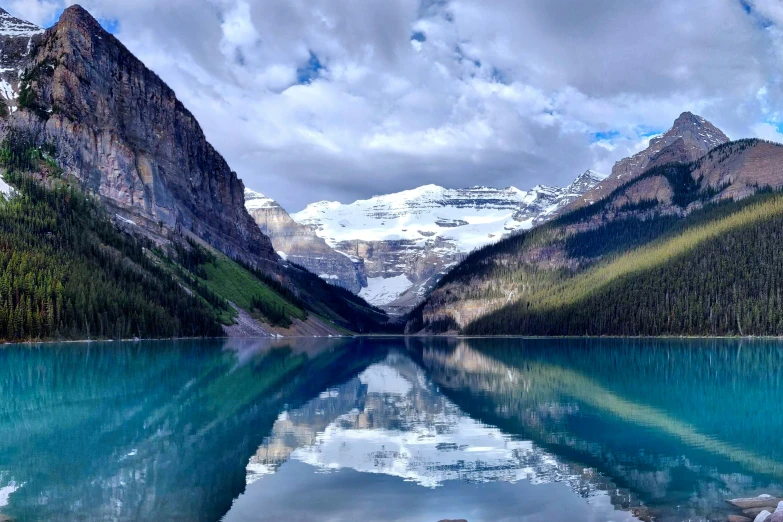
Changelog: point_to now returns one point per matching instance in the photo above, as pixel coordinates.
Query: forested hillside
(688, 264)
(66, 272)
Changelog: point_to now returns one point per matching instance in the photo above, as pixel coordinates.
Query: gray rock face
(299, 244)
(123, 134)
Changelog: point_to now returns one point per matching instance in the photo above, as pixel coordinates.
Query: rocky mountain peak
(122, 133)
(78, 15)
(689, 138)
(585, 182)
(695, 131)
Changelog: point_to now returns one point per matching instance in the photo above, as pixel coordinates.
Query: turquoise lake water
(389, 429)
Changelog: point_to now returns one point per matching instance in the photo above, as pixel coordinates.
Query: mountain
(299, 244)
(681, 248)
(88, 116)
(401, 244)
(689, 139)
(17, 39)
(122, 133)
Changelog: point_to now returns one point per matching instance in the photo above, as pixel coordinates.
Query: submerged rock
(762, 501)
(763, 516)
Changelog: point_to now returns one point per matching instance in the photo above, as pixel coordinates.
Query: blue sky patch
(310, 71)
(646, 132)
(606, 135)
(419, 36)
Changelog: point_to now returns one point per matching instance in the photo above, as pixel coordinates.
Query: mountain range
(393, 249)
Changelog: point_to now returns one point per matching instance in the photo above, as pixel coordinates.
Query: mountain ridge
(513, 286)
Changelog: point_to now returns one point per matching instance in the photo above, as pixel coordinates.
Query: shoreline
(405, 336)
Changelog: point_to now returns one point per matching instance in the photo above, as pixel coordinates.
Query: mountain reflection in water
(388, 429)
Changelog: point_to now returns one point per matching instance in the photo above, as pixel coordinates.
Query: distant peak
(255, 200)
(12, 26)
(688, 118)
(590, 173)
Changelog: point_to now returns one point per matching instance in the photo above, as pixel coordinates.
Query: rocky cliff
(299, 244)
(121, 132)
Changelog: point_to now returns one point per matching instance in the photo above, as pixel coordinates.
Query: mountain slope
(683, 248)
(299, 244)
(718, 278)
(66, 272)
(408, 240)
(95, 119)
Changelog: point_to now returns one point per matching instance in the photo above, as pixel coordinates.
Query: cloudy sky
(344, 99)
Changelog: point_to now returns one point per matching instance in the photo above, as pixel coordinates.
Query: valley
(393, 249)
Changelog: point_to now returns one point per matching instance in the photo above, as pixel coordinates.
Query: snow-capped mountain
(408, 240)
(17, 38)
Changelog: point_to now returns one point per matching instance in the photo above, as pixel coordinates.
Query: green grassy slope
(295, 294)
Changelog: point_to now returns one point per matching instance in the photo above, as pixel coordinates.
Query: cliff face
(123, 134)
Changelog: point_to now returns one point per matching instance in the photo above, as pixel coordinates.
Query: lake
(399, 429)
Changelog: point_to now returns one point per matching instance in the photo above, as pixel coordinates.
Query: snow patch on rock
(380, 291)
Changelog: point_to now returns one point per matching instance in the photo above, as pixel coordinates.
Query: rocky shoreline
(764, 508)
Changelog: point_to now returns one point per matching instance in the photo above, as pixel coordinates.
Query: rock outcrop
(122, 133)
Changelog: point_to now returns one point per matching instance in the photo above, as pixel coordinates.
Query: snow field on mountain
(469, 218)
(380, 291)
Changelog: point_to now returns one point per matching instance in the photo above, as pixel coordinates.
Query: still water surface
(389, 429)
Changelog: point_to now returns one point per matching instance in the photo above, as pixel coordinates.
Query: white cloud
(497, 93)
